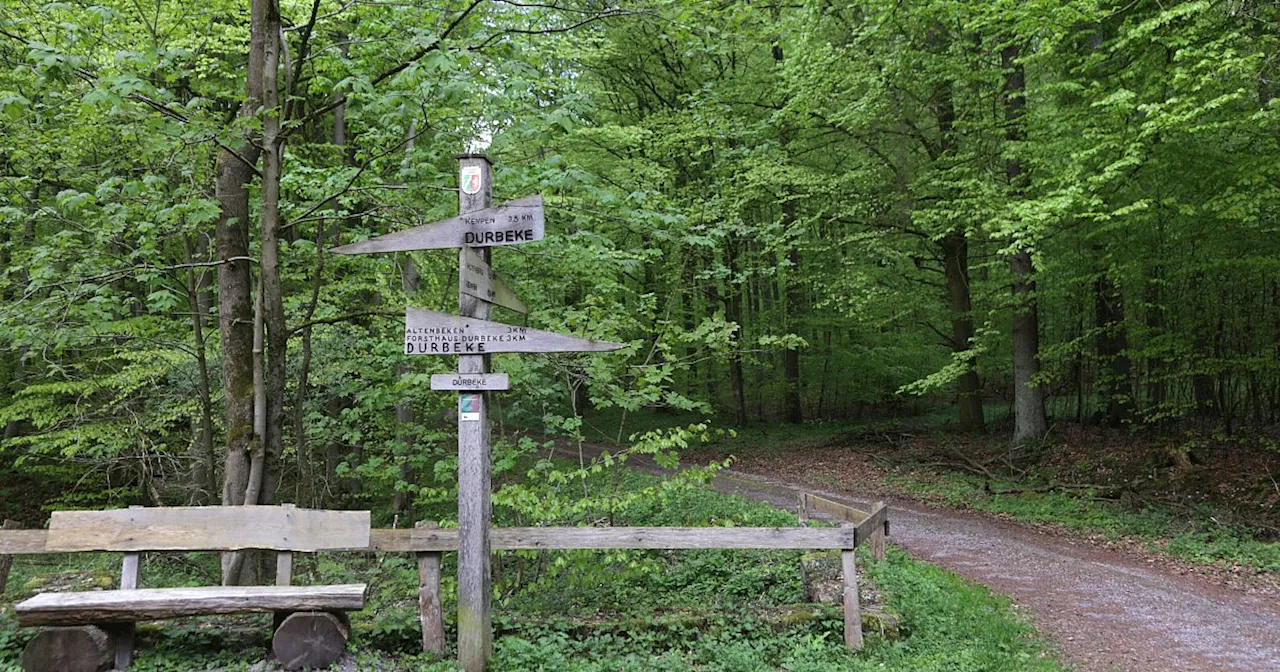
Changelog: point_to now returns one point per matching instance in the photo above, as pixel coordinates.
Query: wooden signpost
(470, 335)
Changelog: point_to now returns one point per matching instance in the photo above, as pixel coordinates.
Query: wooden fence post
(6, 561)
(852, 609)
(430, 614)
(877, 537)
(802, 509)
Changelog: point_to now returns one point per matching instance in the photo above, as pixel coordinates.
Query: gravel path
(1105, 610)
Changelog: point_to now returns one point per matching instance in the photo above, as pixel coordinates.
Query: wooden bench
(94, 629)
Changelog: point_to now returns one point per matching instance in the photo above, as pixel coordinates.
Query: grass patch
(1193, 538)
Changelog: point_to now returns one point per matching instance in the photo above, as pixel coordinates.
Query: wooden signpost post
(472, 337)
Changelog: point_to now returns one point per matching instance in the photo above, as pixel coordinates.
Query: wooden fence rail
(428, 542)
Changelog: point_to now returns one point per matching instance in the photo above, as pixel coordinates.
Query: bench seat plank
(124, 606)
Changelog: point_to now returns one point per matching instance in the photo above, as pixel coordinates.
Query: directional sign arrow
(518, 221)
(431, 333)
(475, 278)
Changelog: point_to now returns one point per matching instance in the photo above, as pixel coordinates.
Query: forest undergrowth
(622, 610)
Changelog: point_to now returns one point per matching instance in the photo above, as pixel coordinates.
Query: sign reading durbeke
(470, 381)
(512, 223)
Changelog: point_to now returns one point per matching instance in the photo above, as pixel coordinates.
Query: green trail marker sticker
(469, 408)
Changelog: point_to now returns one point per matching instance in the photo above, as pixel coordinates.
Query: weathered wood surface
(513, 222)
(71, 649)
(870, 526)
(470, 381)
(23, 542)
(122, 633)
(877, 522)
(475, 510)
(310, 640)
(878, 534)
(6, 560)
(600, 538)
(430, 333)
(476, 279)
(852, 608)
(148, 604)
(430, 613)
(834, 509)
(213, 528)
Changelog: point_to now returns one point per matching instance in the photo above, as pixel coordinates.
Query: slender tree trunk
(1156, 388)
(1113, 345)
(234, 170)
(277, 333)
(733, 311)
(1028, 398)
(404, 408)
(955, 258)
(205, 476)
(954, 247)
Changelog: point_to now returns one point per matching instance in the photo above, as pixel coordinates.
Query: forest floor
(1107, 601)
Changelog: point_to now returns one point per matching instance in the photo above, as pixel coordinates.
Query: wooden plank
(470, 381)
(512, 223)
(601, 538)
(6, 559)
(835, 509)
(877, 521)
(284, 568)
(147, 604)
(213, 528)
(477, 280)
(878, 534)
(23, 542)
(430, 333)
(475, 509)
(430, 613)
(852, 608)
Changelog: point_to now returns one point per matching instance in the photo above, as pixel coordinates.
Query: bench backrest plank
(208, 528)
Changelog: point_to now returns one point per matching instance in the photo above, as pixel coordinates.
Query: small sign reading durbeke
(431, 333)
(470, 381)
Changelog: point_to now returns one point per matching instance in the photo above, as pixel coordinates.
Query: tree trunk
(791, 356)
(205, 476)
(733, 311)
(277, 333)
(1156, 387)
(404, 408)
(1028, 399)
(235, 169)
(955, 259)
(1113, 347)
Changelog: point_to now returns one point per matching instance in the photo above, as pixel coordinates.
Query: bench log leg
(313, 639)
(84, 648)
(122, 643)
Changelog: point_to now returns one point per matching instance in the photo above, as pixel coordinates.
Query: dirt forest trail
(1103, 609)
